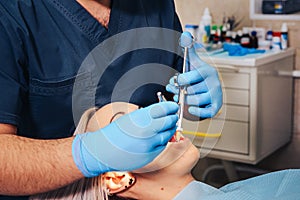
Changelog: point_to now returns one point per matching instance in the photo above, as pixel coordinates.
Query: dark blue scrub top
(43, 44)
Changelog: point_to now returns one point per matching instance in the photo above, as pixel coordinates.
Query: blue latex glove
(204, 92)
(128, 143)
(238, 50)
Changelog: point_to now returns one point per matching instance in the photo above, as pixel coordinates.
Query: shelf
(249, 60)
(256, 13)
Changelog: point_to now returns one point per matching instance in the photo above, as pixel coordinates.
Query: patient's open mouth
(177, 137)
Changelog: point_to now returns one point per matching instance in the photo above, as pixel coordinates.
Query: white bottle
(207, 20)
(284, 36)
(202, 35)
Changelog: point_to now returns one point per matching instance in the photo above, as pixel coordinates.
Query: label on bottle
(276, 43)
(207, 30)
(245, 40)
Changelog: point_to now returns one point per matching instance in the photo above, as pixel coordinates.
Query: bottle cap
(191, 26)
(206, 18)
(239, 33)
(206, 11)
(214, 27)
(276, 34)
(253, 33)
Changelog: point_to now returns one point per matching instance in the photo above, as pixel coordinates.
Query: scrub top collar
(80, 17)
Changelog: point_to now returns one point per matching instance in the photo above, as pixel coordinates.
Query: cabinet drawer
(235, 80)
(237, 97)
(236, 113)
(234, 135)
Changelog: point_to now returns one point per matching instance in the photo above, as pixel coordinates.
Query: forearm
(31, 166)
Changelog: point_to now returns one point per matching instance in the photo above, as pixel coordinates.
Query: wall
(190, 12)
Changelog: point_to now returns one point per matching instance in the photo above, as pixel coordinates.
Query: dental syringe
(181, 95)
(186, 42)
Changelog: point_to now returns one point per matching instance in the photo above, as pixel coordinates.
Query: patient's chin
(173, 153)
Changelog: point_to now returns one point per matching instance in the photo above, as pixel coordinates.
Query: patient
(173, 164)
(169, 175)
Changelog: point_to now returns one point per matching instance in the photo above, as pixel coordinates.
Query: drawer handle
(295, 73)
(201, 134)
(229, 68)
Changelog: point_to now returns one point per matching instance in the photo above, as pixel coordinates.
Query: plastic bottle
(228, 37)
(201, 35)
(233, 36)
(269, 35)
(223, 33)
(207, 20)
(238, 36)
(276, 41)
(284, 36)
(214, 37)
(245, 40)
(254, 40)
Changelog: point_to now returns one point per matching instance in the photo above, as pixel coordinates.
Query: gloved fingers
(193, 59)
(191, 90)
(172, 89)
(147, 122)
(163, 138)
(175, 98)
(143, 117)
(162, 109)
(198, 88)
(199, 99)
(165, 123)
(188, 78)
(186, 39)
(206, 112)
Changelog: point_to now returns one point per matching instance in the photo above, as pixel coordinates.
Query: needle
(181, 96)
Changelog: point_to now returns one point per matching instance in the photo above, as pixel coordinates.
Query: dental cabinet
(256, 118)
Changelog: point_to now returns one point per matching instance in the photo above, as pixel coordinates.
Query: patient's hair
(86, 188)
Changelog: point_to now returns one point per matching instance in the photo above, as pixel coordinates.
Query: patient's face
(177, 159)
(176, 152)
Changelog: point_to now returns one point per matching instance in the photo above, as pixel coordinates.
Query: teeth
(177, 136)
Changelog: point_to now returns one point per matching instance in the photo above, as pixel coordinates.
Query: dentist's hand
(128, 143)
(204, 92)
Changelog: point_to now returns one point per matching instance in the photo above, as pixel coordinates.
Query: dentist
(42, 46)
